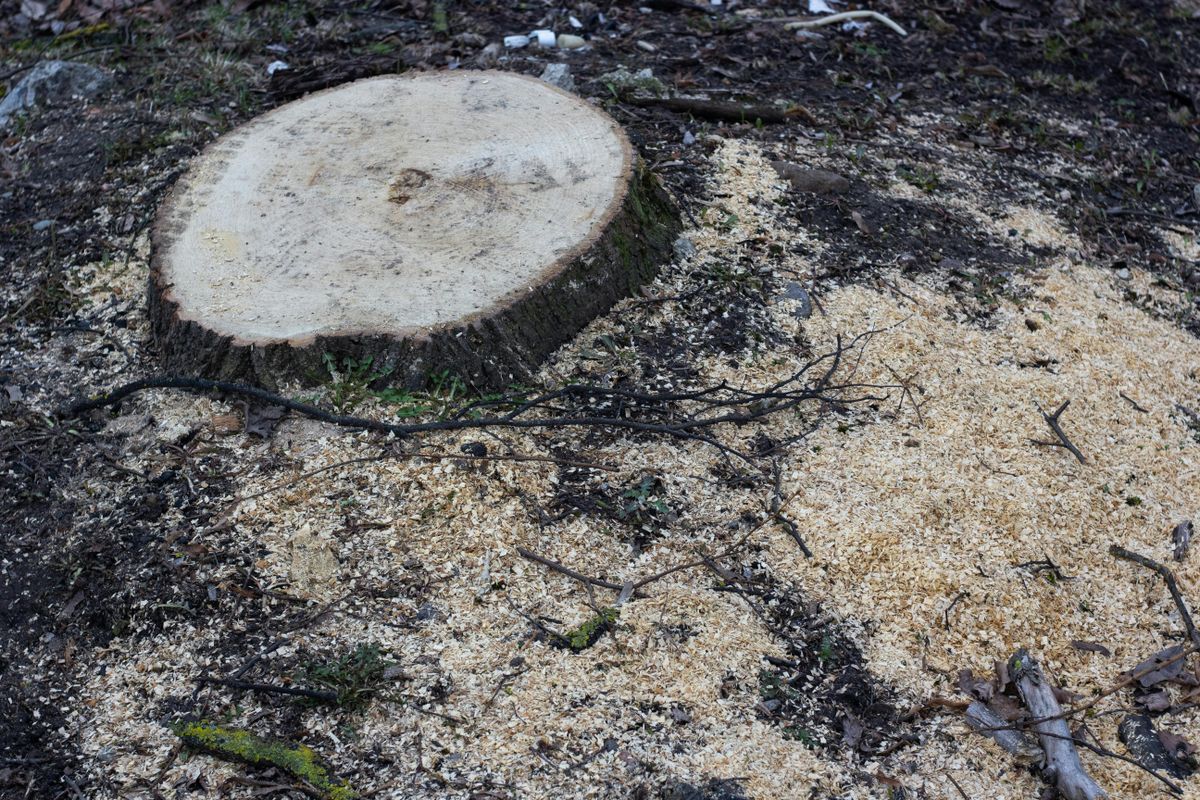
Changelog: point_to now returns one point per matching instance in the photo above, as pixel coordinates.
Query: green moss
(234, 744)
(586, 634)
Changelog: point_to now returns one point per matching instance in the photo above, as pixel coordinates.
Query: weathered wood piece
(1063, 766)
(1002, 732)
(461, 221)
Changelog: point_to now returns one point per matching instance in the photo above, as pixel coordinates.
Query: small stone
(569, 41)
(42, 225)
(814, 181)
(796, 292)
(643, 81)
(53, 83)
(471, 39)
(559, 75)
(1124, 274)
(912, 443)
(646, 46)
(684, 248)
(1064, 195)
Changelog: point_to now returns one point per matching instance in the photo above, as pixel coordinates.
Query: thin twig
(1172, 587)
(842, 16)
(1053, 421)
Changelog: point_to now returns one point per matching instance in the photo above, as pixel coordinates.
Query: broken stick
(1172, 587)
(1063, 441)
(987, 722)
(1062, 759)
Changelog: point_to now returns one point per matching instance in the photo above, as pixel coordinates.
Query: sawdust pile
(920, 510)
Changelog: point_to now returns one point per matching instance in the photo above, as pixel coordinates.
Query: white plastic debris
(516, 41)
(569, 41)
(820, 7)
(575, 23)
(646, 46)
(276, 66)
(545, 38)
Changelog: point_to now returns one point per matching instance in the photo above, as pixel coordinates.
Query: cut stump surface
(468, 222)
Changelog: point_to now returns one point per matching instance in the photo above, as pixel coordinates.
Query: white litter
(516, 41)
(545, 38)
(276, 66)
(820, 7)
(569, 41)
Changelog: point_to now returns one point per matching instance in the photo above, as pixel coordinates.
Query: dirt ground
(1020, 228)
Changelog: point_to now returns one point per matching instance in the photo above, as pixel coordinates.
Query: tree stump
(468, 222)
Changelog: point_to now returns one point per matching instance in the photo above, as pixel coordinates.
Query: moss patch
(234, 744)
(589, 632)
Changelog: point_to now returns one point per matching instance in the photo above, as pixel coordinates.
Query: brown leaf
(1154, 670)
(971, 686)
(1155, 701)
(1090, 647)
(1065, 696)
(1002, 676)
(1006, 707)
(1175, 744)
(261, 420)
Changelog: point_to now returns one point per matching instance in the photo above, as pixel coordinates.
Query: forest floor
(1018, 229)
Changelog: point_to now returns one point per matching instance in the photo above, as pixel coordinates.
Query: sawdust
(904, 509)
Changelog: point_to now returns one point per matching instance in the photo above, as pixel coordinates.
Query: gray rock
(1124, 274)
(815, 181)
(52, 83)
(684, 248)
(643, 81)
(42, 224)
(559, 75)
(794, 291)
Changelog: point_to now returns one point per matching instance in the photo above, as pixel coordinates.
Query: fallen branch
(685, 415)
(777, 514)
(1062, 759)
(1063, 441)
(269, 688)
(990, 724)
(841, 17)
(234, 744)
(565, 570)
(1172, 587)
(722, 110)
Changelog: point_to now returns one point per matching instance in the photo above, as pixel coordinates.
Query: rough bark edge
(491, 351)
(1062, 759)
